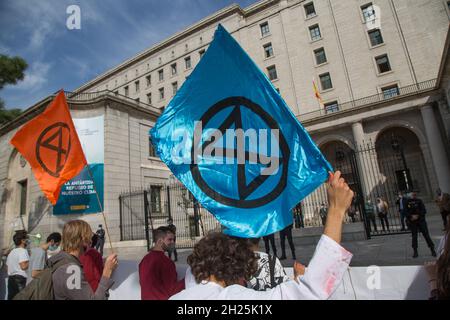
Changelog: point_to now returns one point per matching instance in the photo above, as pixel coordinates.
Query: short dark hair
(55, 236)
(160, 233)
(19, 236)
(227, 259)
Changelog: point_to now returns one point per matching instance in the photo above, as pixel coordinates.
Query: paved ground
(390, 250)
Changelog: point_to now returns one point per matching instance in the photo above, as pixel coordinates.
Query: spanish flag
(50, 144)
(316, 92)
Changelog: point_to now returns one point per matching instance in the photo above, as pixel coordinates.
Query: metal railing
(370, 100)
(86, 96)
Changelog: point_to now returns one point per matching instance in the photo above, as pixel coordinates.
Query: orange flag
(50, 144)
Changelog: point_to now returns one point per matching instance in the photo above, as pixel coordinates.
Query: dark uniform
(415, 213)
(271, 238)
(173, 229)
(287, 232)
(101, 240)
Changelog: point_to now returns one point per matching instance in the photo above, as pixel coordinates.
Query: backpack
(41, 287)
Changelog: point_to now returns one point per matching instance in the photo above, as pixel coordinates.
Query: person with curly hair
(221, 265)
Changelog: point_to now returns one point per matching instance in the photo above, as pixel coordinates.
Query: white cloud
(35, 77)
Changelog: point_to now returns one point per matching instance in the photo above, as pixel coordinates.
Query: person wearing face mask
(17, 264)
(369, 208)
(38, 257)
(157, 272)
(68, 279)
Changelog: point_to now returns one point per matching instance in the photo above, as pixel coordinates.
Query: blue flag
(229, 137)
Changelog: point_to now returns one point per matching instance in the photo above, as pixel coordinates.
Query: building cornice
(210, 20)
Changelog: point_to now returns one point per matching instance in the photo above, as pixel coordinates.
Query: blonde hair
(75, 234)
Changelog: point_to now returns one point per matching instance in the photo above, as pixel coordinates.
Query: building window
(148, 66)
(314, 31)
(310, 11)
(331, 107)
(173, 67)
(155, 199)
(126, 91)
(187, 62)
(161, 75)
(149, 98)
(320, 56)
(389, 92)
(161, 93)
(23, 186)
(116, 92)
(174, 88)
(126, 78)
(325, 81)
(115, 83)
(375, 37)
(151, 148)
(186, 47)
(201, 53)
(160, 60)
(264, 29)
(137, 72)
(268, 50)
(149, 80)
(448, 5)
(136, 85)
(272, 71)
(368, 12)
(383, 63)
(173, 54)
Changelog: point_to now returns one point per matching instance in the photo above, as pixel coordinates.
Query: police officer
(173, 228)
(415, 214)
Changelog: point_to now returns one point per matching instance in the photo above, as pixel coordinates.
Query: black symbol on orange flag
(53, 148)
(244, 189)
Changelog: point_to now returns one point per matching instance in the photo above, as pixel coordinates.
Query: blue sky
(111, 32)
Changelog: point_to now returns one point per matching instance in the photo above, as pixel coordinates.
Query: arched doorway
(342, 158)
(401, 162)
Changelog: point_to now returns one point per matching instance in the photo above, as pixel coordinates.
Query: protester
(369, 209)
(38, 257)
(401, 208)
(439, 273)
(443, 202)
(101, 239)
(76, 238)
(270, 238)
(382, 210)
(287, 232)
(416, 216)
(92, 263)
(270, 272)
(157, 273)
(323, 213)
(173, 228)
(17, 264)
(219, 263)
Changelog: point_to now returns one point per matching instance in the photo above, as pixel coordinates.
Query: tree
(11, 70)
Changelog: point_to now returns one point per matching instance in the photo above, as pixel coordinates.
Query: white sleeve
(189, 279)
(323, 275)
(23, 256)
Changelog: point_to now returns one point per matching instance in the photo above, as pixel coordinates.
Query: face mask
(169, 247)
(53, 247)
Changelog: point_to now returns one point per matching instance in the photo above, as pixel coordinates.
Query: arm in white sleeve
(323, 275)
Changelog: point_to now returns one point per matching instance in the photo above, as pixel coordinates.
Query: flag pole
(101, 208)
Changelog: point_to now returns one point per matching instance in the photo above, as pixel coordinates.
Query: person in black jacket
(401, 208)
(415, 213)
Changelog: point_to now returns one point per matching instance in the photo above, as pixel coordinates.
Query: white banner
(359, 283)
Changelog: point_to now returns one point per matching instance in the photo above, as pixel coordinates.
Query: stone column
(358, 138)
(436, 145)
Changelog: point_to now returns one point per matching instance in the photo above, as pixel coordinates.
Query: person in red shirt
(92, 262)
(157, 273)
